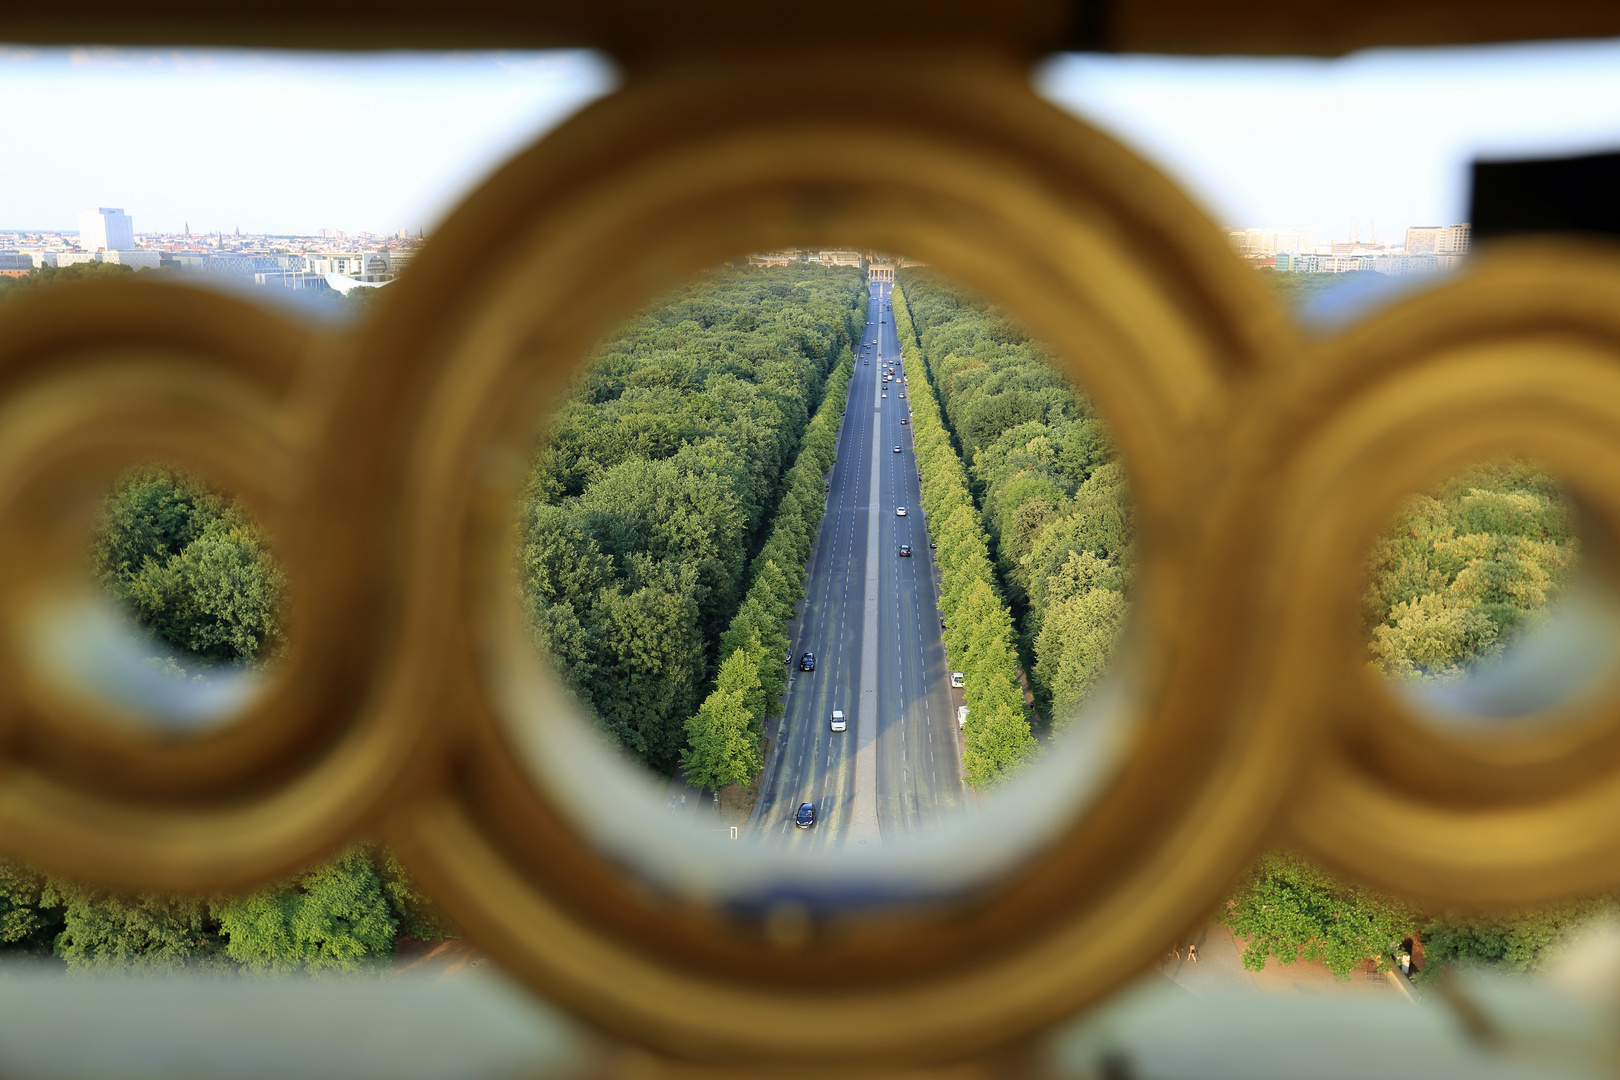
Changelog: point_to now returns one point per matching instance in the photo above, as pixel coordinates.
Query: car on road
(903, 420)
(807, 662)
(806, 816)
(897, 449)
(905, 551)
(902, 395)
(900, 511)
(885, 394)
(837, 722)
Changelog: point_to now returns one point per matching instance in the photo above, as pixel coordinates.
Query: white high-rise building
(103, 228)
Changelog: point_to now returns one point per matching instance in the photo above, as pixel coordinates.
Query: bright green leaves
(725, 744)
(191, 566)
(1292, 910)
(336, 917)
(1044, 474)
(102, 930)
(997, 741)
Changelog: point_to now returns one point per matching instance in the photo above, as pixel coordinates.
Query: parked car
(900, 511)
(961, 716)
(837, 723)
(807, 662)
(905, 551)
(956, 680)
(806, 816)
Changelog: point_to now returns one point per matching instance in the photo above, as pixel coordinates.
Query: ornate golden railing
(387, 461)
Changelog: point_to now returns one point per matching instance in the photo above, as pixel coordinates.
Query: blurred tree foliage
(1523, 941)
(1290, 909)
(1465, 568)
(342, 915)
(662, 471)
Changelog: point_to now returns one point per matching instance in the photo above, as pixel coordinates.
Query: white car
(837, 720)
(897, 449)
(900, 512)
(956, 680)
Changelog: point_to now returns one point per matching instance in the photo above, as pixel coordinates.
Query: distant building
(1454, 240)
(1271, 241)
(103, 228)
(841, 258)
(139, 258)
(372, 267)
(1439, 240)
(1420, 239)
(776, 258)
(293, 279)
(16, 264)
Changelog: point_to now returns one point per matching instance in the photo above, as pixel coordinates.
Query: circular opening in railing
(834, 564)
(1488, 601)
(177, 614)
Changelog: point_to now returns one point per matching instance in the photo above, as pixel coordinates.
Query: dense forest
(1044, 476)
(656, 482)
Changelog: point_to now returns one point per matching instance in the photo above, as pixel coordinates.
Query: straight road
(872, 621)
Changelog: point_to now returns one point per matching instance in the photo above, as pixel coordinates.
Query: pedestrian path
(1218, 969)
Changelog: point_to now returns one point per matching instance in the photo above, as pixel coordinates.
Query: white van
(837, 720)
(961, 716)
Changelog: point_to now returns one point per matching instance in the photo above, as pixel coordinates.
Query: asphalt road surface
(872, 621)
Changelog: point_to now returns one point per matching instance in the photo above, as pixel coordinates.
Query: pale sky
(273, 142)
(294, 142)
(1382, 137)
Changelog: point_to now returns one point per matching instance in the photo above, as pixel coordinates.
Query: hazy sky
(292, 142)
(274, 142)
(1381, 137)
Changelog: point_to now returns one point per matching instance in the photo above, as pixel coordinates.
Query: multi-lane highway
(871, 620)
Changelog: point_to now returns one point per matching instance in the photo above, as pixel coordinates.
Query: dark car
(806, 816)
(905, 551)
(903, 420)
(807, 662)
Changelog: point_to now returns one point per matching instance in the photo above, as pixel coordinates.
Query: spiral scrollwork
(387, 461)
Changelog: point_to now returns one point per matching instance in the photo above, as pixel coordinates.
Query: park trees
(1290, 909)
(996, 741)
(723, 734)
(1043, 486)
(667, 516)
(192, 567)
